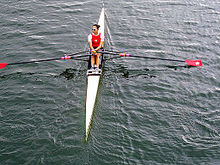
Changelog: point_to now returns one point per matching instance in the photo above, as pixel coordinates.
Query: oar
(189, 62)
(66, 57)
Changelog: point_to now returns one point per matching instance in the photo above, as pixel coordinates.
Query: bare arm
(90, 46)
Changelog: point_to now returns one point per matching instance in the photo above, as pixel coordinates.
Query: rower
(96, 41)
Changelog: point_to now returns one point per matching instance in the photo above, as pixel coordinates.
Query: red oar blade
(2, 65)
(194, 62)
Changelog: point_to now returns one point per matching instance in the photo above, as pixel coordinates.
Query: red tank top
(96, 40)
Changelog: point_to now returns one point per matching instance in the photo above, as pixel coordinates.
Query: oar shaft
(28, 62)
(157, 58)
(50, 59)
(145, 57)
(78, 53)
(189, 62)
(71, 56)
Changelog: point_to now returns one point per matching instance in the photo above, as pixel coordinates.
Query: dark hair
(98, 26)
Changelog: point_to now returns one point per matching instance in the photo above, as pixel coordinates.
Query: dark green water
(148, 112)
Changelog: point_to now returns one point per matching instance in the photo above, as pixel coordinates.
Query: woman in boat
(96, 41)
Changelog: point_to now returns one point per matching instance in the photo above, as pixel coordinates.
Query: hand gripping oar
(189, 62)
(66, 57)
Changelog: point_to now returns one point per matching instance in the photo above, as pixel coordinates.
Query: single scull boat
(93, 78)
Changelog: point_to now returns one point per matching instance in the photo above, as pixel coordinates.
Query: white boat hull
(92, 89)
(93, 84)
